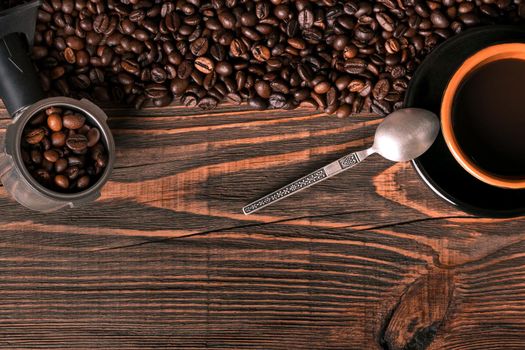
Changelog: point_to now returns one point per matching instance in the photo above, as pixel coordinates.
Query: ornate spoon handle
(311, 179)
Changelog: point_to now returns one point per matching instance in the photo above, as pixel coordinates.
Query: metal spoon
(402, 136)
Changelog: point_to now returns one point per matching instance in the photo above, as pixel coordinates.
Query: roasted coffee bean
(155, 90)
(207, 103)
(58, 139)
(158, 75)
(73, 121)
(277, 100)
(72, 172)
(381, 89)
(179, 86)
(199, 47)
(306, 18)
(93, 136)
(42, 175)
(34, 136)
(439, 20)
(62, 181)
(322, 87)
(54, 122)
(36, 156)
(204, 65)
(60, 165)
(343, 111)
(51, 155)
(261, 53)
(263, 88)
(385, 21)
(355, 65)
(83, 182)
(77, 142)
(258, 103)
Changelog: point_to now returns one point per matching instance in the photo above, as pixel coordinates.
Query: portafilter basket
(23, 97)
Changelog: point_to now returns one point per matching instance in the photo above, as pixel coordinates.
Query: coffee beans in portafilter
(342, 57)
(62, 151)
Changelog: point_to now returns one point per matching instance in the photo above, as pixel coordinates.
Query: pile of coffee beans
(339, 56)
(63, 152)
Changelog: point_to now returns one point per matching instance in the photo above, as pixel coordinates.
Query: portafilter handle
(19, 83)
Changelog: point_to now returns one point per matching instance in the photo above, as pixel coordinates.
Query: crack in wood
(258, 224)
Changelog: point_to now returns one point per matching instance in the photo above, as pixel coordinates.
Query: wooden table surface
(371, 259)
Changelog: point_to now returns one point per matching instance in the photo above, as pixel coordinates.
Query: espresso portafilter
(23, 98)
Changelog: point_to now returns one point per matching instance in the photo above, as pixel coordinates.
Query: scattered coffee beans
(339, 56)
(62, 151)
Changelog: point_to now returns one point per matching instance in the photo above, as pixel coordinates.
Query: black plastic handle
(19, 84)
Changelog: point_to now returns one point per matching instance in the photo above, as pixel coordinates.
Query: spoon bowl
(406, 134)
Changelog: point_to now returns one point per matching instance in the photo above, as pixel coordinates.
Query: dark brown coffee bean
(101, 23)
(62, 181)
(75, 42)
(93, 136)
(42, 175)
(77, 142)
(199, 47)
(234, 97)
(227, 19)
(237, 48)
(158, 75)
(75, 160)
(189, 100)
(355, 66)
(60, 165)
(155, 91)
(179, 86)
(262, 10)
(305, 18)
(469, 19)
(51, 155)
(69, 55)
(343, 111)
(364, 34)
(72, 172)
(439, 20)
(224, 68)
(261, 53)
(257, 103)
(58, 139)
(381, 107)
(204, 65)
(83, 182)
(322, 88)
(184, 70)
(385, 21)
(54, 121)
(207, 103)
(73, 121)
(263, 88)
(381, 89)
(36, 156)
(34, 136)
(277, 100)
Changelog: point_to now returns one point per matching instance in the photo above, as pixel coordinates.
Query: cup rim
(487, 55)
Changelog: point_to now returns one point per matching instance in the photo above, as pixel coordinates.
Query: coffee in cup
(483, 115)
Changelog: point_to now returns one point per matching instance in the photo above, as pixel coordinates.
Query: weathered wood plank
(368, 260)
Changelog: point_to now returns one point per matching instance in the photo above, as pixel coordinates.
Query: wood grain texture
(370, 259)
